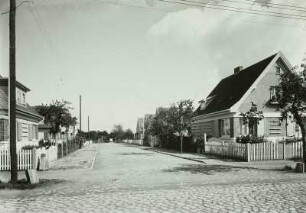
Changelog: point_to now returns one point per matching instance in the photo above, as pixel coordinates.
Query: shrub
(29, 147)
(250, 139)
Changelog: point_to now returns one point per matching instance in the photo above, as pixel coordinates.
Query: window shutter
(6, 128)
(2, 129)
(232, 127)
(219, 127)
(29, 132)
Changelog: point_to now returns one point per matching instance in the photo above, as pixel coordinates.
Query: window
(23, 98)
(20, 97)
(278, 70)
(225, 127)
(253, 130)
(4, 130)
(275, 94)
(275, 127)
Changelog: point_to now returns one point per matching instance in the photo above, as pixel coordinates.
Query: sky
(128, 57)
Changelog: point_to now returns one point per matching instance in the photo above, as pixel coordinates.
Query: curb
(94, 159)
(174, 155)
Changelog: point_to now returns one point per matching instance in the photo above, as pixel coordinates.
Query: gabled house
(219, 114)
(27, 117)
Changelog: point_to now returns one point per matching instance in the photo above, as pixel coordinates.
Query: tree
(57, 115)
(182, 122)
(117, 132)
(159, 125)
(175, 120)
(252, 118)
(292, 101)
(128, 134)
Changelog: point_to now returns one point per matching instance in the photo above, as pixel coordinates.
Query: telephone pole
(80, 113)
(88, 123)
(12, 90)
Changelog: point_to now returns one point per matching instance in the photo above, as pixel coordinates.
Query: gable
(260, 94)
(231, 89)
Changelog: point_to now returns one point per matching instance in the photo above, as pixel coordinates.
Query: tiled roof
(231, 89)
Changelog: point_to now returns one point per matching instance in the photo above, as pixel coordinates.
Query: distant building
(26, 116)
(142, 123)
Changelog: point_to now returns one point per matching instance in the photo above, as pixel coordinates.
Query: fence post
(204, 141)
(34, 158)
(62, 147)
(247, 153)
(284, 150)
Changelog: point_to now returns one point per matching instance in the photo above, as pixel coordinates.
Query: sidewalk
(214, 160)
(81, 159)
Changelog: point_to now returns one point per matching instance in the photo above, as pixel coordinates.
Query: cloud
(230, 39)
(185, 27)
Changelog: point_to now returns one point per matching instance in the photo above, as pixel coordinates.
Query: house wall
(261, 94)
(24, 134)
(208, 127)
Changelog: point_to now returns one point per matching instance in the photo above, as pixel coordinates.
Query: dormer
(21, 90)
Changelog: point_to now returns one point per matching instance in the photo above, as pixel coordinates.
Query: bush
(250, 139)
(29, 147)
(292, 140)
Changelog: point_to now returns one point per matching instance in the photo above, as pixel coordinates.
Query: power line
(241, 8)
(235, 9)
(277, 4)
(293, 8)
(39, 21)
(132, 5)
(21, 3)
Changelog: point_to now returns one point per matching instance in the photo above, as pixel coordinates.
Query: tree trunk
(303, 140)
(181, 137)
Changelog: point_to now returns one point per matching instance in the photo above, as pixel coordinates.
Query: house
(142, 124)
(44, 132)
(26, 116)
(139, 129)
(219, 115)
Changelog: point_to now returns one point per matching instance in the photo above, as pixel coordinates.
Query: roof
(24, 109)
(4, 82)
(231, 89)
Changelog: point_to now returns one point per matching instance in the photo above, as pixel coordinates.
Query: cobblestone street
(132, 179)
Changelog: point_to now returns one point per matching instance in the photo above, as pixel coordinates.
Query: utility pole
(80, 113)
(88, 123)
(12, 91)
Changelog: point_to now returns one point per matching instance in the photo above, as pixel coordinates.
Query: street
(126, 178)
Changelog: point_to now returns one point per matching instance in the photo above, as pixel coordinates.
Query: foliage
(175, 120)
(57, 115)
(128, 134)
(250, 139)
(252, 117)
(117, 132)
(29, 147)
(292, 102)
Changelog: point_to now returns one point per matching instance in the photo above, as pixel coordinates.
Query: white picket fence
(274, 151)
(226, 150)
(257, 151)
(24, 159)
(135, 142)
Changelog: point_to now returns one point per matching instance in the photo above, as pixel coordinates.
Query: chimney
(238, 69)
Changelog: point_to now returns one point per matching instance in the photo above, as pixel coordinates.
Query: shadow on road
(205, 169)
(136, 153)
